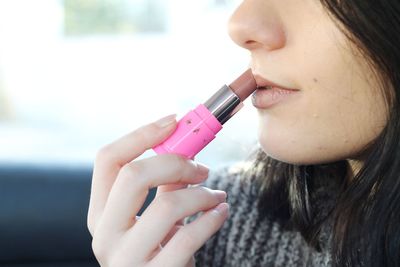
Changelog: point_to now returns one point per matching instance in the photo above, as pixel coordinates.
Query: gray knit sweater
(248, 239)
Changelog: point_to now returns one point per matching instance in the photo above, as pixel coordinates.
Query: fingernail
(222, 209)
(221, 195)
(202, 169)
(164, 122)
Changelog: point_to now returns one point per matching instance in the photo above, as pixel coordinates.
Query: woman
(323, 188)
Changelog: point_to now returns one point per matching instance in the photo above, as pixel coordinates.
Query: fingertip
(202, 169)
(222, 210)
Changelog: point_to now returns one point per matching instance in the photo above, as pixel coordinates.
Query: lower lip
(266, 98)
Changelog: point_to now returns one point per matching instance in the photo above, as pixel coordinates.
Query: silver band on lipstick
(223, 104)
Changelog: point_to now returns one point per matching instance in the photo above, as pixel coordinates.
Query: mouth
(269, 94)
(267, 87)
(264, 84)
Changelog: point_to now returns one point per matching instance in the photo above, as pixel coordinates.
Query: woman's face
(339, 107)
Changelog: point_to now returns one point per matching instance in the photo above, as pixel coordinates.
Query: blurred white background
(76, 75)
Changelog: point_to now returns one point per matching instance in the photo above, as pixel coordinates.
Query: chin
(286, 158)
(299, 154)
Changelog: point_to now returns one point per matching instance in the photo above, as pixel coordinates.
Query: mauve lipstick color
(244, 85)
(199, 127)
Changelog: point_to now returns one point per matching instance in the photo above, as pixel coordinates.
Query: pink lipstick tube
(199, 127)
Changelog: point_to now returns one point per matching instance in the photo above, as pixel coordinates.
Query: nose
(254, 24)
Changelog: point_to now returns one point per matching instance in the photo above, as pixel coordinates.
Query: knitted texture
(248, 239)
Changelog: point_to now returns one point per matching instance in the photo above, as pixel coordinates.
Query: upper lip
(262, 82)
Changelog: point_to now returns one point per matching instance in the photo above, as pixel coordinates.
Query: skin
(119, 188)
(338, 111)
(340, 108)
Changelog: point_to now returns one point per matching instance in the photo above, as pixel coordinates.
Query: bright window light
(76, 75)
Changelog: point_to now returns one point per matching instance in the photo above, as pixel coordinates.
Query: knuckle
(99, 249)
(132, 173)
(184, 166)
(167, 204)
(130, 170)
(180, 161)
(104, 154)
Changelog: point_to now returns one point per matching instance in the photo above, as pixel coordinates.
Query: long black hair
(366, 213)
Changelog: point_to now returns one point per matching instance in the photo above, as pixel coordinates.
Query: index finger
(111, 158)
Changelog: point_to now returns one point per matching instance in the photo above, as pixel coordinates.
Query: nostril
(249, 42)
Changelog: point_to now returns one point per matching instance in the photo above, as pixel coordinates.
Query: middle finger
(136, 178)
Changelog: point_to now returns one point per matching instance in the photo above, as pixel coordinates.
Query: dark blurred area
(43, 214)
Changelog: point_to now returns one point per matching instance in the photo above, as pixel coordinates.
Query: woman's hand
(119, 189)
